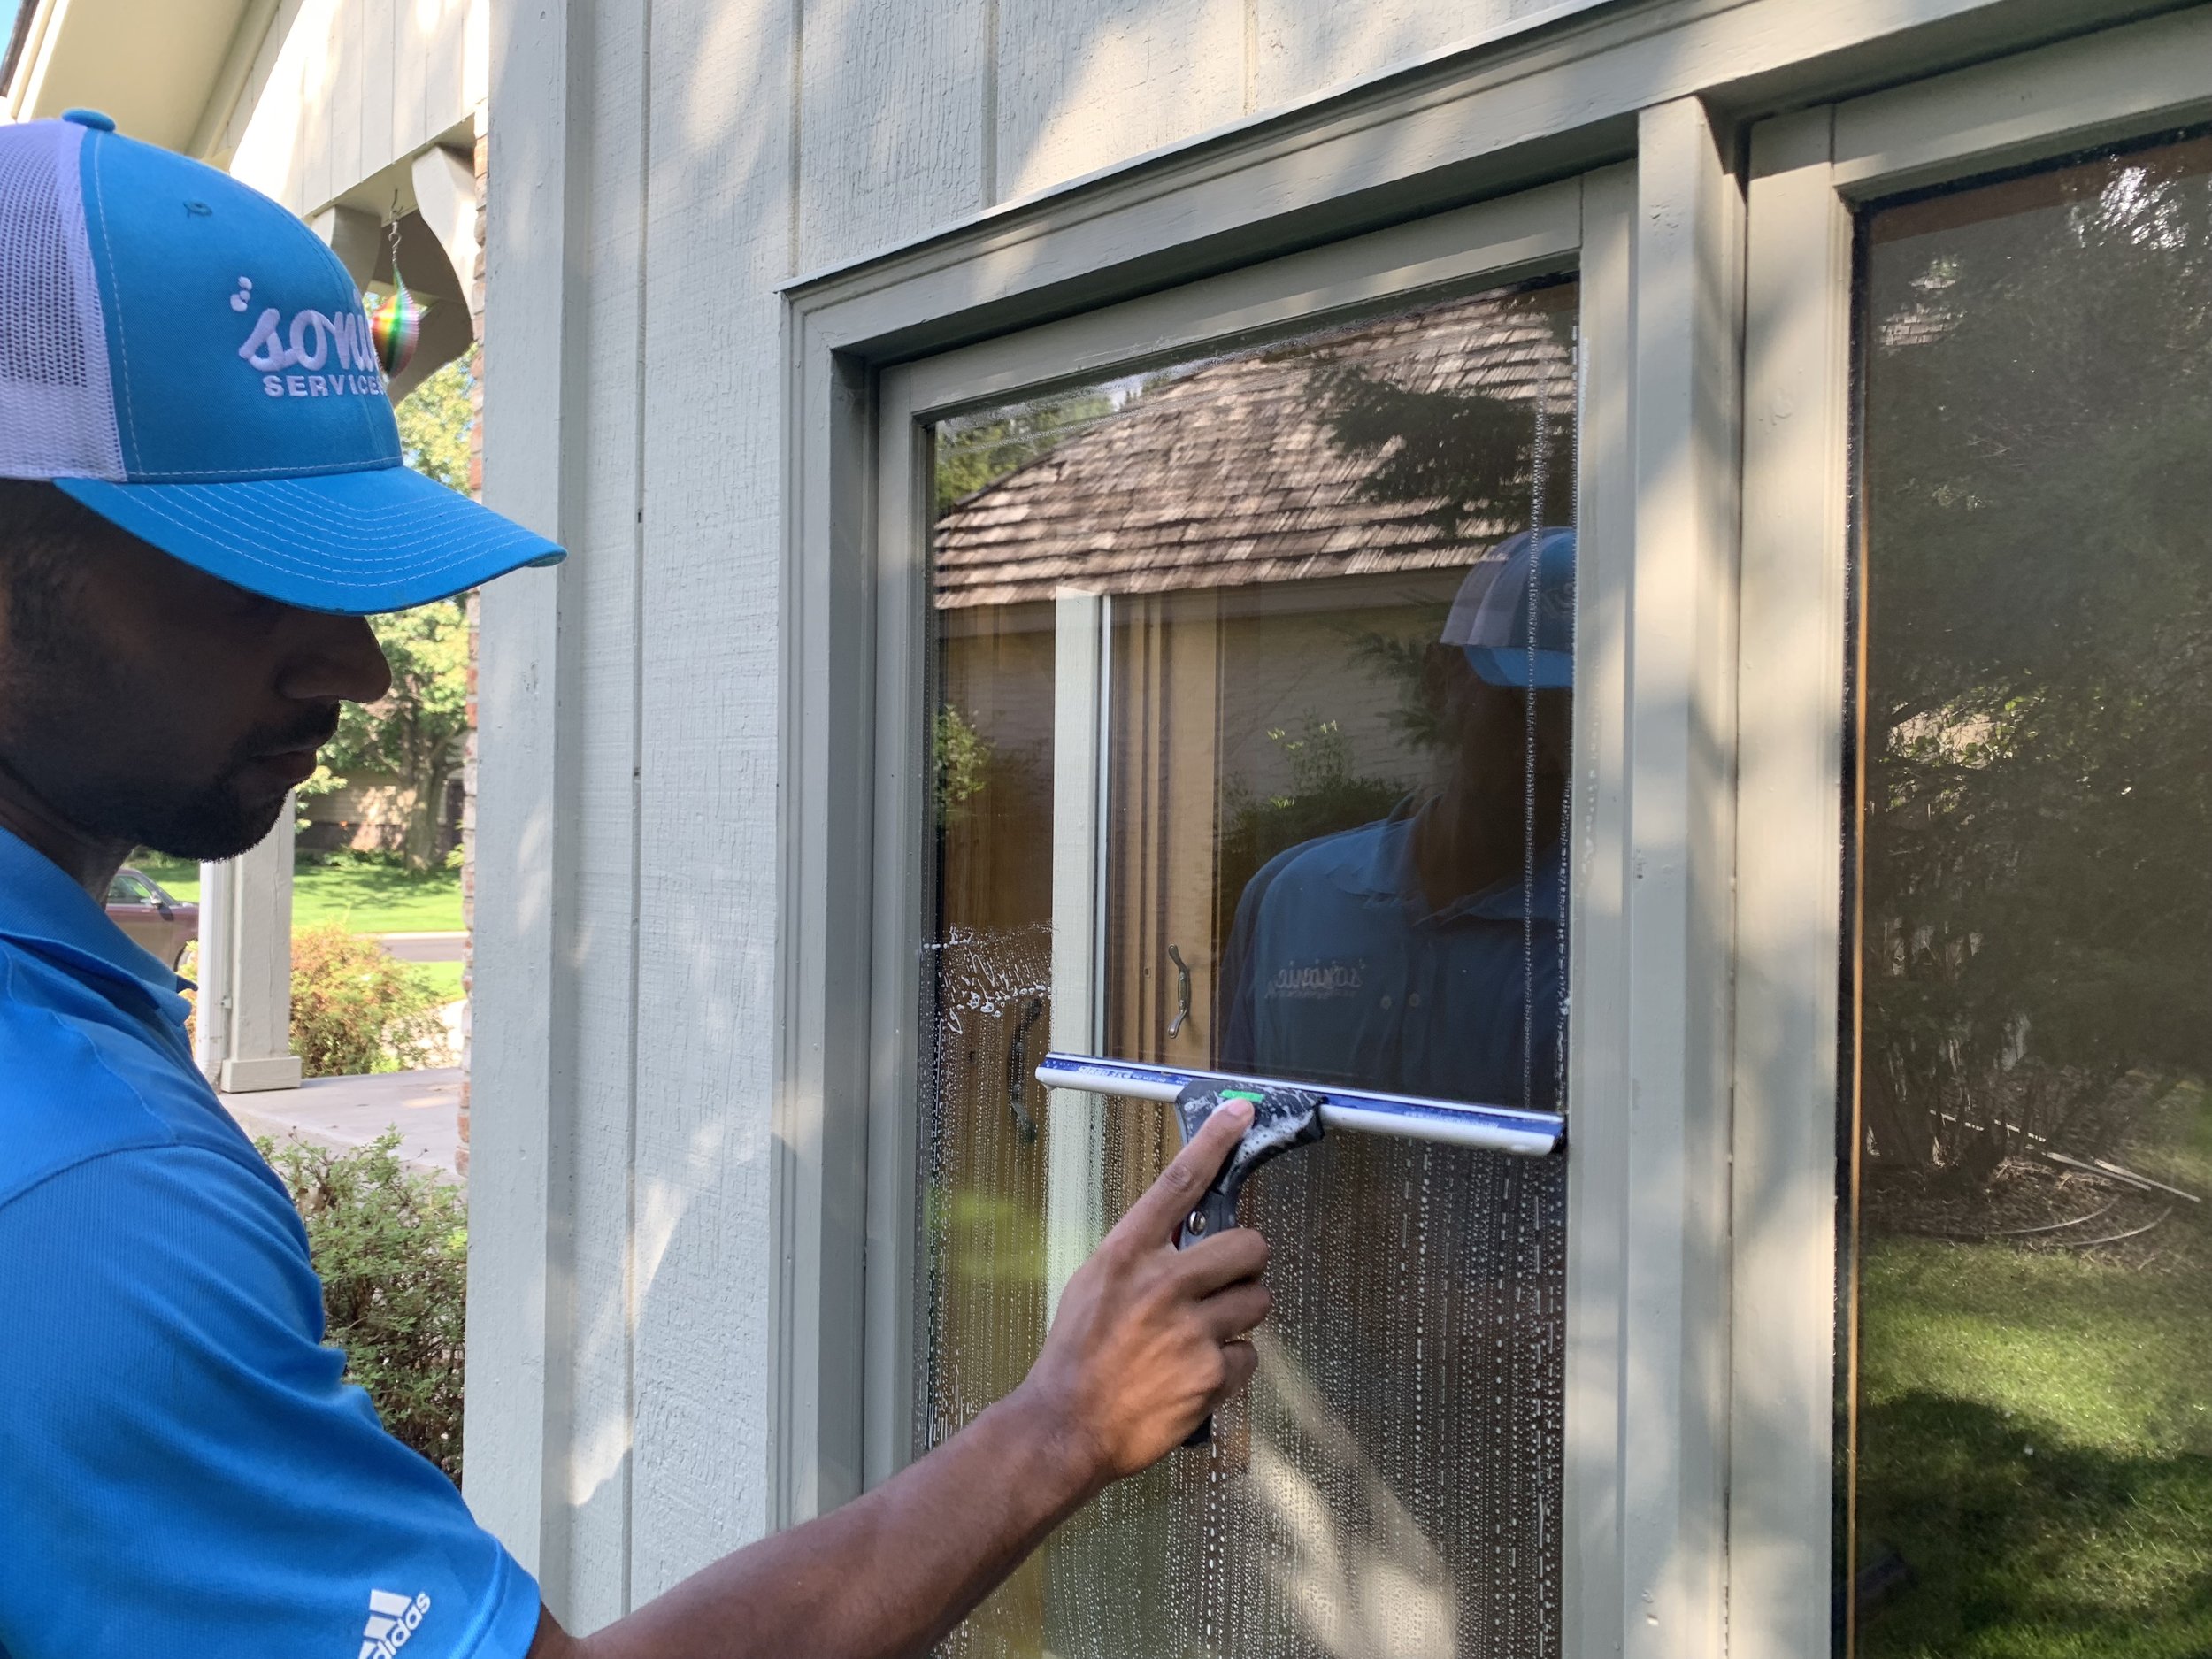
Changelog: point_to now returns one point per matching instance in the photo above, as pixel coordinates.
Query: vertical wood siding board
(1085, 83)
(517, 1415)
(1305, 46)
(1688, 254)
(1598, 1086)
(403, 92)
(378, 57)
(320, 20)
(892, 143)
(601, 947)
(1790, 888)
(345, 112)
(716, 247)
(445, 88)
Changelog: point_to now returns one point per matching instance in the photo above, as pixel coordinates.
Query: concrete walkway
(351, 1111)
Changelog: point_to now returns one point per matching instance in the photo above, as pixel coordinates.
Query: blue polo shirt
(1339, 970)
(181, 1471)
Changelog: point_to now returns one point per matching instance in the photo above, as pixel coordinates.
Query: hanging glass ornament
(396, 323)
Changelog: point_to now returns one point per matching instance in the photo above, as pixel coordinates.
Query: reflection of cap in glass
(1491, 618)
(189, 361)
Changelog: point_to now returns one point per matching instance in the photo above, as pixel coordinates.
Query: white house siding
(727, 145)
(340, 89)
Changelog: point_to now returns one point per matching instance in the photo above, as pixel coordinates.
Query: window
(1248, 734)
(2026, 1454)
(129, 887)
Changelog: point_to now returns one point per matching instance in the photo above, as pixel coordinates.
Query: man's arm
(1148, 1340)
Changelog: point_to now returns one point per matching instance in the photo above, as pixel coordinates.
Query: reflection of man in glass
(1421, 954)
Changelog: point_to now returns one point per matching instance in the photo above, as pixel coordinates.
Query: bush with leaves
(391, 1245)
(355, 1009)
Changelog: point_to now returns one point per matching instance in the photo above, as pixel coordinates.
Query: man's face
(144, 703)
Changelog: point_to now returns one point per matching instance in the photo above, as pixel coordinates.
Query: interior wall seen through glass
(1251, 699)
(2026, 1406)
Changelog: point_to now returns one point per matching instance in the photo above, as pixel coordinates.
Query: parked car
(155, 921)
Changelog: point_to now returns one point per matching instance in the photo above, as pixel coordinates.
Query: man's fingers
(1238, 1360)
(1156, 1216)
(1211, 1263)
(1238, 1308)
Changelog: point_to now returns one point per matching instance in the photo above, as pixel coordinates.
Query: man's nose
(336, 659)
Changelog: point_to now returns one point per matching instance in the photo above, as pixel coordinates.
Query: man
(1421, 954)
(200, 497)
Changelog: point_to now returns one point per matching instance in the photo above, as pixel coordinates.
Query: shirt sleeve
(181, 1471)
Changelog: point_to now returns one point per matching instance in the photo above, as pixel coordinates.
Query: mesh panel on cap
(57, 403)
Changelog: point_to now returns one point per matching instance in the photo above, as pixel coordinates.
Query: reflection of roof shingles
(1230, 476)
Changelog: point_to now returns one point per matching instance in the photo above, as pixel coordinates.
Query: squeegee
(1514, 1129)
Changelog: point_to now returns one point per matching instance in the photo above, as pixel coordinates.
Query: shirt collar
(46, 913)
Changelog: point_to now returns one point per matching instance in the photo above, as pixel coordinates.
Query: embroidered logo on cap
(318, 354)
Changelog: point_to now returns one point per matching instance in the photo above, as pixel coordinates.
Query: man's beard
(221, 819)
(137, 804)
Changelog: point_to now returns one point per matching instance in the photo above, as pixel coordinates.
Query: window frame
(1643, 1522)
(1810, 172)
(1579, 225)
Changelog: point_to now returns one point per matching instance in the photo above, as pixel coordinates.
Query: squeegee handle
(1216, 1210)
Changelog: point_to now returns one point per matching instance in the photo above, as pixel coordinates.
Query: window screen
(2026, 1436)
(1253, 681)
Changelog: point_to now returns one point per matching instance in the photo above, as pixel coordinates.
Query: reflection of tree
(973, 455)
(1323, 797)
(2039, 739)
(1474, 456)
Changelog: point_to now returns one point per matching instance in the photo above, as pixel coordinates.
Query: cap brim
(355, 542)
(1553, 670)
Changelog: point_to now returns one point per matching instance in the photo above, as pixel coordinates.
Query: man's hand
(1148, 1339)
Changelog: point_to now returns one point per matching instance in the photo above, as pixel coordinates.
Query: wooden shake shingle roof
(1232, 474)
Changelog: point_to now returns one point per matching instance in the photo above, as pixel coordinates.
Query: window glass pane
(1250, 726)
(2027, 1441)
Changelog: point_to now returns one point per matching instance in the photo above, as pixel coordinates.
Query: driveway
(423, 947)
(351, 1111)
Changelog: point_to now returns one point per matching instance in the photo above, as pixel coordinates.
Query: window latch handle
(1182, 990)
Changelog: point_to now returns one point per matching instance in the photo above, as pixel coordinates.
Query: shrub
(355, 1009)
(391, 1245)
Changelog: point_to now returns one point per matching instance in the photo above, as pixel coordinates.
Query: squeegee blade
(1367, 1111)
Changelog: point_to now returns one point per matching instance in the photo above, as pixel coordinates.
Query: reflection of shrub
(391, 1245)
(963, 757)
(1323, 798)
(355, 1009)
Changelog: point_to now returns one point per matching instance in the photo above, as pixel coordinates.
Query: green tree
(2039, 679)
(414, 732)
(436, 420)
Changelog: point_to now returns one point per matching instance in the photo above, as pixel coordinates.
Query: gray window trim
(1808, 170)
(1668, 86)
(1534, 233)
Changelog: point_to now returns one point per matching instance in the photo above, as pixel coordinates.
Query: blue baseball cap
(188, 360)
(1515, 613)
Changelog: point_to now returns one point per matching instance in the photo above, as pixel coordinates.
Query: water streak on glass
(1298, 621)
(2026, 1426)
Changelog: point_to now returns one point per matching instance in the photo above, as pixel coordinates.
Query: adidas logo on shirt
(392, 1620)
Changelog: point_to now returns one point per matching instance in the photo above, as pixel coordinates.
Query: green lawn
(2036, 1439)
(442, 977)
(367, 897)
